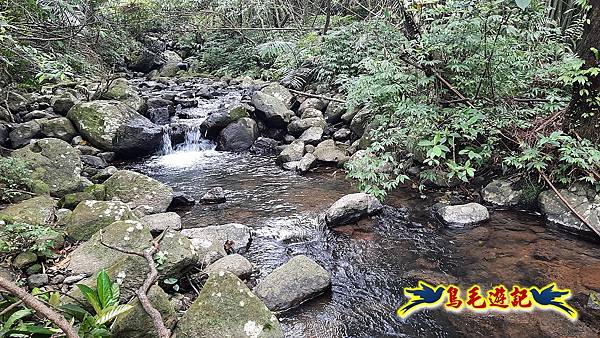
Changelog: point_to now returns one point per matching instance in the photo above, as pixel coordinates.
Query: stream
(371, 262)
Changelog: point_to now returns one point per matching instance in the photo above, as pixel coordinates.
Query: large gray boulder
(113, 126)
(63, 103)
(307, 162)
(218, 120)
(292, 153)
(314, 103)
(272, 110)
(351, 208)
(60, 128)
(91, 216)
(137, 189)
(36, 211)
(279, 92)
(582, 198)
(236, 264)
(93, 256)
(297, 127)
(462, 215)
(328, 151)
(334, 112)
(292, 283)
(312, 135)
(23, 133)
(55, 166)
(138, 324)
(360, 121)
(225, 307)
(239, 135)
(501, 193)
(120, 90)
(170, 61)
(161, 222)
(207, 237)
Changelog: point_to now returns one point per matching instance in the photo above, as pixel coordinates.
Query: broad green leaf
(91, 297)
(16, 316)
(103, 284)
(112, 312)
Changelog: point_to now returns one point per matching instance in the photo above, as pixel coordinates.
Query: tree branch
(39, 307)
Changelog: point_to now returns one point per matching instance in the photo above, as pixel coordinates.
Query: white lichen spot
(242, 303)
(139, 227)
(126, 238)
(121, 277)
(219, 294)
(252, 329)
(250, 294)
(130, 229)
(221, 273)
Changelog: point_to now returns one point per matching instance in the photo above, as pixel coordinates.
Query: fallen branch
(151, 278)
(567, 204)
(39, 307)
(332, 99)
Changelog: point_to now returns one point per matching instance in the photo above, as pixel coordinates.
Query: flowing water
(371, 262)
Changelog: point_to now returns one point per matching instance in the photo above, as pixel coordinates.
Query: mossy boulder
(227, 308)
(91, 216)
(179, 253)
(92, 256)
(55, 166)
(60, 128)
(36, 211)
(120, 90)
(271, 110)
(292, 283)
(216, 121)
(137, 189)
(95, 192)
(114, 126)
(138, 324)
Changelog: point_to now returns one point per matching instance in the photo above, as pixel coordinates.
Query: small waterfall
(194, 141)
(166, 147)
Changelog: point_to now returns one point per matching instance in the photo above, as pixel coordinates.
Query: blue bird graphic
(423, 296)
(550, 298)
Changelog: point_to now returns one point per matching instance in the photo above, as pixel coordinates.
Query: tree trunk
(583, 117)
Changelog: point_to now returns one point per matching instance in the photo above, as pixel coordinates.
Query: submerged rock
(351, 208)
(292, 283)
(501, 193)
(36, 211)
(462, 215)
(113, 126)
(227, 308)
(55, 165)
(137, 189)
(236, 264)
(138, 324)
(91, 216)
(215, 195)
(582, 198)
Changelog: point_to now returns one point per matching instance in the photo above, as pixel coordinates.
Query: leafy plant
(105, 302)
(15, 177)
(15, 237)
